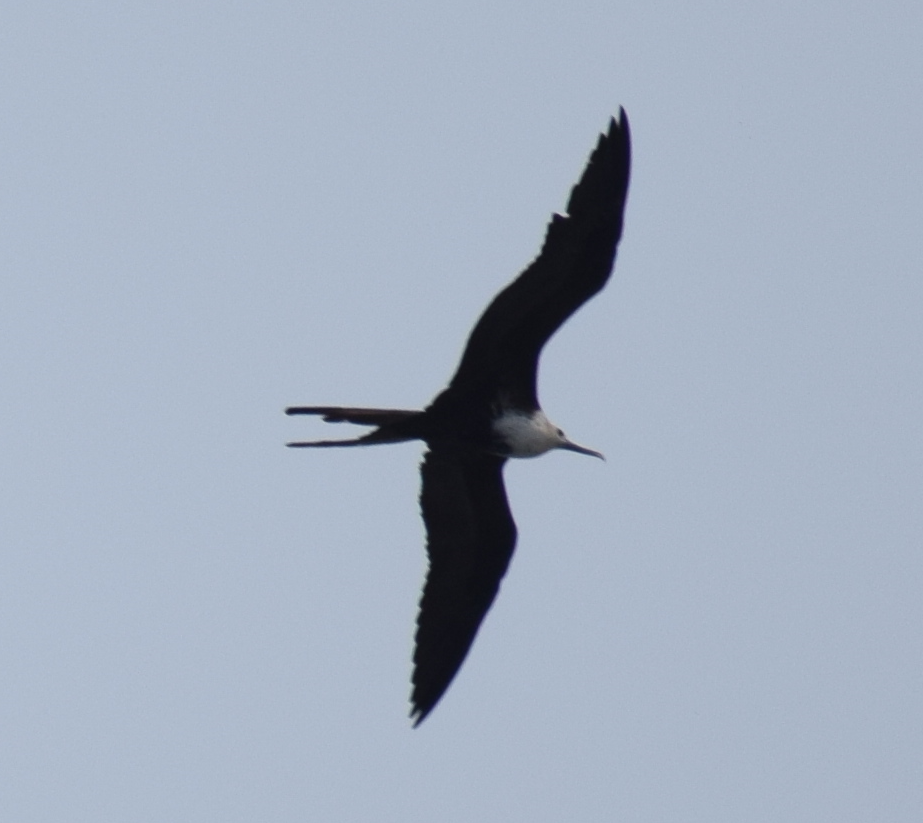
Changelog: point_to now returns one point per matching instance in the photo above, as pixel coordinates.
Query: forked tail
(394, 425)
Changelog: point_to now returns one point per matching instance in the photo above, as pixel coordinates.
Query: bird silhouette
(490, 412)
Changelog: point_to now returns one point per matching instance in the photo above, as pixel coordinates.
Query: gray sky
(213, 210)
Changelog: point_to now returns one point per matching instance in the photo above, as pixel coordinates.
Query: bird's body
(490, 412)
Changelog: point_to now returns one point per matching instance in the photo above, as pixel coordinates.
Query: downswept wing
(470, 540)
(574, 264)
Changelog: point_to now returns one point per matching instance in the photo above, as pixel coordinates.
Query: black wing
(470, 540)
(574, 264)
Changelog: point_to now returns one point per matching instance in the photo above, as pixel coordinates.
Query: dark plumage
(490, 412)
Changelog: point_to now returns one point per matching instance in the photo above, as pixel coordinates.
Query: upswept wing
(574, 264)
(470, 540)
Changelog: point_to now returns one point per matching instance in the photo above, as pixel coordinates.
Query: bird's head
(527, 434)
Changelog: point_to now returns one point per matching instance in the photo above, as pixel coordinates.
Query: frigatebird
(490, 412)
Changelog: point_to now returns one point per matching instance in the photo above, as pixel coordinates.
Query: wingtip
(618, 134)
(623, 122)
(418, 714)
(619, 125)
(617, 122)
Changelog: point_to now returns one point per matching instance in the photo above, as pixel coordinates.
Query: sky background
(209, 211)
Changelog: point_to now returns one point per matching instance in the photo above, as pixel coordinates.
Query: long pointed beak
(573, 447)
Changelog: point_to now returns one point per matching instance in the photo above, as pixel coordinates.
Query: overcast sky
(214, 210)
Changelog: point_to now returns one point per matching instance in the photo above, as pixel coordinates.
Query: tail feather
(388, 421)
(314, 444)
(361, 417)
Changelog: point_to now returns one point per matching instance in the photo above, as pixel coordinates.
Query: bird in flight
(490, 412)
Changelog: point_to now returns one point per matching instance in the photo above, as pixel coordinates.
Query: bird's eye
(560, 432)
